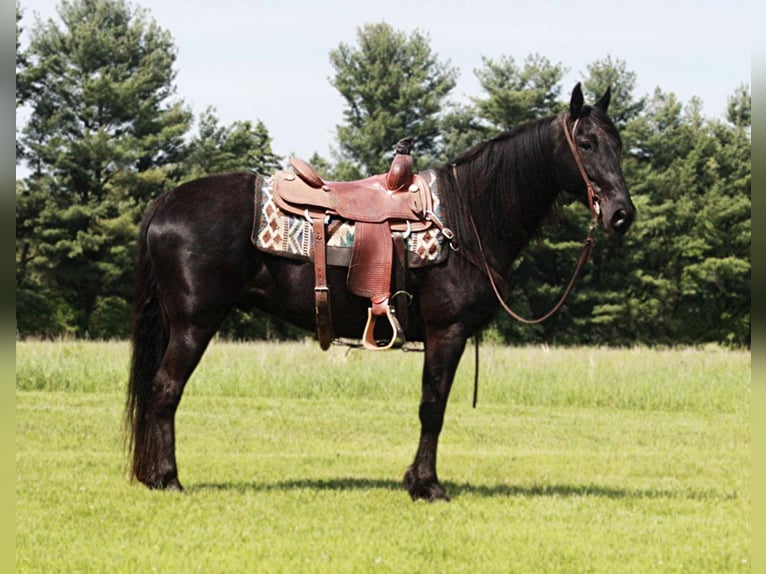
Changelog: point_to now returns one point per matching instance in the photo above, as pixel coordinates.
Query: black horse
(196, 263)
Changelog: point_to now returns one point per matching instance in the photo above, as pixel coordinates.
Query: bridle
(585, 250)
(593, 204)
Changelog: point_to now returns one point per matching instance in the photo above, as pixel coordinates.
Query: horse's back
(214, 201)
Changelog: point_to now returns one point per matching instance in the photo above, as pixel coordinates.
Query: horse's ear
(577, 101)
(603, 102)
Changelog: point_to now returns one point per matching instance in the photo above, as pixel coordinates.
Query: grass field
(576, 460)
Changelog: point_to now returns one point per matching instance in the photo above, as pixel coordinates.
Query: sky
(269, 60)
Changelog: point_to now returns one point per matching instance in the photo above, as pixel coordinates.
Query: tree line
(105, 132)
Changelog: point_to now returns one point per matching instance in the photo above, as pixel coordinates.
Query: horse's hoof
(174, 486)
(419, 489)
(171, 484)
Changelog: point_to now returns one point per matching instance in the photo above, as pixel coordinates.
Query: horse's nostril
(619, 219)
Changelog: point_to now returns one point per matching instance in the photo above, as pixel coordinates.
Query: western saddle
(397, 201)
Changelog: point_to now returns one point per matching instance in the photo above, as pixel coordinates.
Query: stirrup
(368, 338)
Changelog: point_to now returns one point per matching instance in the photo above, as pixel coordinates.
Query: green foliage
(241, 146)
(103, 138)
(110, 319)
(101, 88)
(394, 87)
(739, 109)
(245, 325)
(21, 87)
(688, 269)
(462, 128)
(42, 313)
(516, 95)
(613, 74)
(513, 95)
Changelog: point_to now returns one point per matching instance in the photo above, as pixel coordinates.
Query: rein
(585, 251)
(494, 276)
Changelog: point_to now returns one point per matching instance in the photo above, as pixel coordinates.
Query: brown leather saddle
(397, 201)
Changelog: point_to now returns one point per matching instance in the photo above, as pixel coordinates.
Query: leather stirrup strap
(321, 289)
(401, 298)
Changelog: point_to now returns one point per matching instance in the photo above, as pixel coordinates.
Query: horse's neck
(516, 220)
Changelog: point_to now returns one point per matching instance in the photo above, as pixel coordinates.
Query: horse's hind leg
(185, 348)
(442, 354)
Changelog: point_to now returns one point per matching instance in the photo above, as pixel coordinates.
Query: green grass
(577, 460)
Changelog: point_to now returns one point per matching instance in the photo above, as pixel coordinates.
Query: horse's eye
(584, 144)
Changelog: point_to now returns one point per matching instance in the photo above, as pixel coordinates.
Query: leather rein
(585, 251)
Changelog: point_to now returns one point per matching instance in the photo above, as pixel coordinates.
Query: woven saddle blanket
(291, 236)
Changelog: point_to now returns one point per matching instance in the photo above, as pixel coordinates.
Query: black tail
(149, 340)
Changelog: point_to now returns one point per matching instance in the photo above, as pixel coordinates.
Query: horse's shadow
(458, 489)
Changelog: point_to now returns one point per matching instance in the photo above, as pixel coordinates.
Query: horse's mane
(507, 183)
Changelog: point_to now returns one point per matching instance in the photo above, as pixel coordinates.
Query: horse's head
(589, 160)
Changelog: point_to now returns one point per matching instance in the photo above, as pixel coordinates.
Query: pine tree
(104, 137)
(613, 74)
(394, 87)
(219, 149)
(516, 95)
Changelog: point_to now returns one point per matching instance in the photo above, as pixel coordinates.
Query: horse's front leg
(442, 354)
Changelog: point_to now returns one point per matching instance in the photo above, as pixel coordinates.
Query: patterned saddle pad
(291, 236)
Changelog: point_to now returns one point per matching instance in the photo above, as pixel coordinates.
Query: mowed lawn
(576, 460)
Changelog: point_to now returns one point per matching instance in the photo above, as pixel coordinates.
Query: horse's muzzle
(617, 216)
